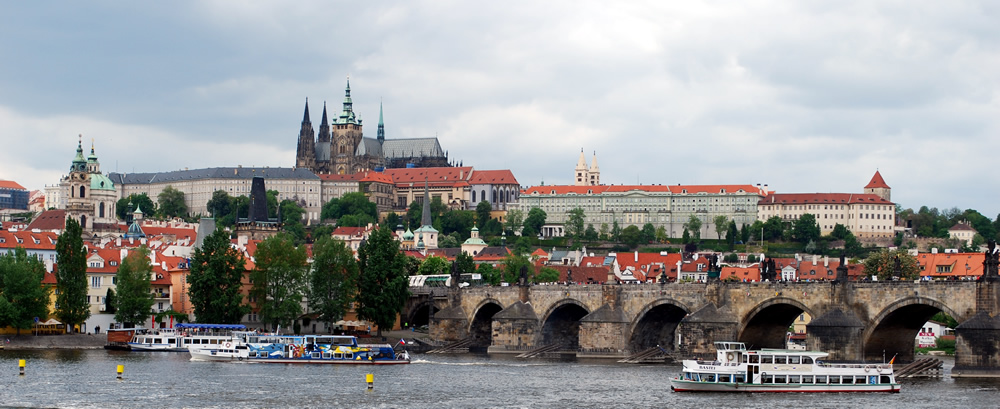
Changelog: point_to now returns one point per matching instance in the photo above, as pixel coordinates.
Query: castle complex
(341, 147)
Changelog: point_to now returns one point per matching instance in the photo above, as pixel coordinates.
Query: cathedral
(90, 197)
(341, 147)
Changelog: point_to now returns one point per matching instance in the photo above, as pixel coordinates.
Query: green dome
(100, 182)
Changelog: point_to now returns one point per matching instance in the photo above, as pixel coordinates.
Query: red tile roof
(823, 198)
(952, 264)
(49, 220)
(449, 175)
(962, 226)
(352, 177)
(877, 182)
(494, 177)
(10, 184)
(27, 238)
(372, 176)
(740, 273)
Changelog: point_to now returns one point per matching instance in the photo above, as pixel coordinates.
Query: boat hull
(680, 385)
(216, 356)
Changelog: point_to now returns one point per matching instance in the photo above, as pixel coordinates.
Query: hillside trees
(279, 278)
(22, 296)
(171, 203)
(884, 263)
(139, 201)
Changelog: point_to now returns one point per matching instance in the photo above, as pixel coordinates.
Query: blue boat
(305, 349)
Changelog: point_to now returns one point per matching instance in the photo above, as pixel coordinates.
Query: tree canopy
(333, 279)
(134, 301)
(214, 281)
(383, 282)
(279, 279)
(806, 229)
(693, 225)
(883, 265)
(574, 226)
(354, 204)
(71, 276)
(139, 201)
(534, 222)
(171, 203)
(22, 296)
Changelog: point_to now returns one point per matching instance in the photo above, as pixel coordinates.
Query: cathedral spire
(324, 113)
(425, 216)
(381, 125)
(305, 117)
(79, 163)
(347, 115)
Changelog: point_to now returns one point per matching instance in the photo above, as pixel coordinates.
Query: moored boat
(306, 349)
(184, 336)
(736, 369)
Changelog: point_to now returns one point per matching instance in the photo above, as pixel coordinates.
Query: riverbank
(66, 341)
(97, 341)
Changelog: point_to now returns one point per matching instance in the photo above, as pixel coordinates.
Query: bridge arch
(655, 324)
(421, 313)
(765, 325)
(481, 324)
(561, 323)
(893, 330)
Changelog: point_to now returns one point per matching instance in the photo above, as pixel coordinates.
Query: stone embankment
(68, 341)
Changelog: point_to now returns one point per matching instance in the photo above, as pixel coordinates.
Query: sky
(802, 96)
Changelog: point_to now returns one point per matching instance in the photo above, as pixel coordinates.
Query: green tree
(852, 247)
(279, 280)
(333, 279)
(110, 301)
(534, 222)
(686, 237)
(648, 233)
(774, 228)
(135, 298)
(464, 263)
(214, 281)
(383, 284)
(547, 275)
(393, 220)
(171, 203)
(591, 233)
(732, 235)
(616, 231)
(522, 245)
(574, 226)
(413, 215)
(72, 307)
(693, 225)
(492, 228)
(603, 233)
(449, 241)
(458, 221)
(513, 264)
(354, 203)
(839, 232)
(883, 265)
(22, 296)
(434, 265)
(631, 236)
(220, 205)
(291, 219)
(806, 229)
(483, 210)
(661, 234)
(139, 201)
(514, 220)
(745, 233)
(721, 223)
(491, 275)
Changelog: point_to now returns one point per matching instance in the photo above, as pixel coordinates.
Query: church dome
(101, 182)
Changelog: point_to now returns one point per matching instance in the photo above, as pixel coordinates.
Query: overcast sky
(803, 96)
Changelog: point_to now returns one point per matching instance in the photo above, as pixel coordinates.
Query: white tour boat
(780, 370)
(184, 336)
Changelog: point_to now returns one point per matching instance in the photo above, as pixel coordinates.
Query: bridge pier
(698, 331)
(604, 332)
(839, 333)
(977, 339)
(449, 325)
(514, 329)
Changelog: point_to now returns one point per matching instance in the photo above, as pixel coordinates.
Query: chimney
(815, 259)
(637, 256)
(152, 258)
(826, 261)
(122, 254)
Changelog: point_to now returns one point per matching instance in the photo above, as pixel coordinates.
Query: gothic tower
(346, 137)
(78, 206)
(305, 155)
(381, 125)
(594, 175)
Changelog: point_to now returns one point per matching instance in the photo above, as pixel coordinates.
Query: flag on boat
(402, 341)
(891, 360)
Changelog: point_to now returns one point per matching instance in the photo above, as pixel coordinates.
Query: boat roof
(211, 326)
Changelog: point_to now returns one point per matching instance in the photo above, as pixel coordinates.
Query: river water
(87, 379)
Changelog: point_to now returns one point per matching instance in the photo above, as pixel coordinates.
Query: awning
(51, 321)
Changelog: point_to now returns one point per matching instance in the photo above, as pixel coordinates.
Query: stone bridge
(850, 320)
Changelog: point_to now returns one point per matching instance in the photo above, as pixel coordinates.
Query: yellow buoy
(370, 378)
(20, 366)
(121, 370)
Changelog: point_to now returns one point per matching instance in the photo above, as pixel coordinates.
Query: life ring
(229, 345)
(730, 356)
(239, 358)
(879, 368)
(868, 368)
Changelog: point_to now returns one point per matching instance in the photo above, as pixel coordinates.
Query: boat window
(834, 380)
(187, 341)
(794, 379)
(821, 379)
(754, 359)
(213, 341)
(338, 355)
(740, 378)
(793, 359)
(807, 360)
(708, 377)
(768, 379)
(315, 354)
(873, 380)
(885, 379)
(349, 355)
(807, 379)
(157, 340)
(780, 379)
(849, 380)
(724, 378)
(766, 359)
(780, 359)
(326, 355)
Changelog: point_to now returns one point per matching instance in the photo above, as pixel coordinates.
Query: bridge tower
(977, 339)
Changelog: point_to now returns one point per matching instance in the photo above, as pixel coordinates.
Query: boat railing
(860, 365)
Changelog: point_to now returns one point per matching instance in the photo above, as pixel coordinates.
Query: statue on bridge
(768, 270)
(456, 276)
(524, 276)
(842, 269)
(991, 261)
